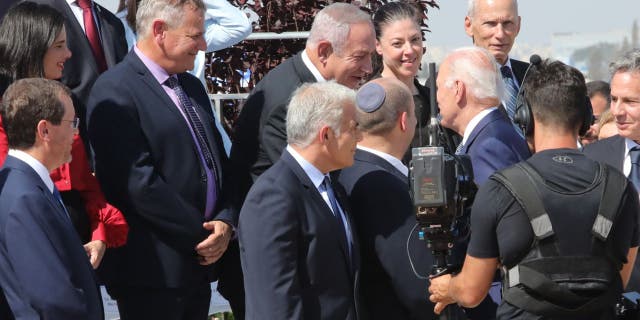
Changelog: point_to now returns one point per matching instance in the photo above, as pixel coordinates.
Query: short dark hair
(386, 14)
(26, 33)
(599, 87)
(557, 94)
(25, 103)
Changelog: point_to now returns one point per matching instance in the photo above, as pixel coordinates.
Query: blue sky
(540, 18)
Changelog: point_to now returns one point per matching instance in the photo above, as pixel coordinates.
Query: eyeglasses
(75, 123)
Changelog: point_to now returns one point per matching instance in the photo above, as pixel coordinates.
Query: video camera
(442, 187)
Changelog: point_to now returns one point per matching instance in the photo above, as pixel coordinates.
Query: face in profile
(494, 26)
(343, 147)
(56, 56)
(400, 46)
(181, 44)
(446, 96)
(351, 65)
(61, 135)
(625, 103)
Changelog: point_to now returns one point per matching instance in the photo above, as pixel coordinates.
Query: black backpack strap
(610, 202)
(526, 193)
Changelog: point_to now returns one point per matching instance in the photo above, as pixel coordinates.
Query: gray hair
(397, 100)
(314, 105)
(477, 68)
(629, 62)
(333, 24)
(169, 11)
(471, 7)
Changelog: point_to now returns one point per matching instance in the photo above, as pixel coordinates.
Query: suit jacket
(44, 270)
(493, 145)
(148, 165)
(294, 254)
(260, 131)
(612, 152)
(384, 216)
(81, 71)
(519, 69)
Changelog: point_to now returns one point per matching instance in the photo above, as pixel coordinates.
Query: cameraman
(570, 190)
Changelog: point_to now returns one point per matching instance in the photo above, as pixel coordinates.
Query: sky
(540, 19)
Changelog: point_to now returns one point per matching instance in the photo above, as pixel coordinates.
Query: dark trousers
(162, 303)
(230, 279)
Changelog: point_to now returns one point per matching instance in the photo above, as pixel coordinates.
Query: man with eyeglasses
(44, 270)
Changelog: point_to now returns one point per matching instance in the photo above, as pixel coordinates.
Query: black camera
(441, 187)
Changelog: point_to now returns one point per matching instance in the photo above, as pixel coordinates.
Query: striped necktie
(634, 175)
(511, 90)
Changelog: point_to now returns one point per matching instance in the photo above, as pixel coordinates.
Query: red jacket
(107, 222)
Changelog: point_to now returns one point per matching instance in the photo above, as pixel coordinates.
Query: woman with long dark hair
(33, 44)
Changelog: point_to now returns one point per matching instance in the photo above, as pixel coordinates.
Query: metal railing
(216, 98)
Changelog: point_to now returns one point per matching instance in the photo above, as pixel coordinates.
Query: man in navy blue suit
(161, 161)
(44, 271)
(469, 91)
(297, 246)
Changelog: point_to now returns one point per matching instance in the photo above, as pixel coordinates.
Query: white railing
(217, 97)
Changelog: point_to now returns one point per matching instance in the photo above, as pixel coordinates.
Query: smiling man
(161, 161)
(494, 25)
(339, 48)
(622, 151)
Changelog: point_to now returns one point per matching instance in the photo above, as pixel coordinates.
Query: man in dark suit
(299, 256)
(468, 96)
(341, 54)
(161, 161)
(494, 25)
(383, 212)
(94, 47)
(44, 271)
(623, 151)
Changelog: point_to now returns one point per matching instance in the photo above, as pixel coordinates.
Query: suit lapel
(301, 69)
(319, 202)
(106, 36)
(489, 118)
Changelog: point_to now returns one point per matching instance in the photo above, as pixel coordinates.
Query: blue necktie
(511, 97)
(512, 91)
(326, 183)
(634, 175)
(459, 149)
(58, 197)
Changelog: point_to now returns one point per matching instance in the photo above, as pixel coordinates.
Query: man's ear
(42, 130)
(323, 134)
(460, 90)
(324, 51)
(378, 47)
(467, 26)
(403, 121)
(158, 27)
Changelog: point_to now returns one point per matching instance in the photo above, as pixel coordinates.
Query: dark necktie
(512, 91)
(634, 175)
(58, 197)
(93, 35)
(197, 127)
(194, 120)
(326, 183)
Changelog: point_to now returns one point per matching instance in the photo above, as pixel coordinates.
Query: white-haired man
(494, 25)
(469, 90)
(297, 247)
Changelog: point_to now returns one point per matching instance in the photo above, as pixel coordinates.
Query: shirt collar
(312, 172)
(314, 71)
(474, 122)
(395, 162)
(156, 70)
(36, 165)
(628, 144)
